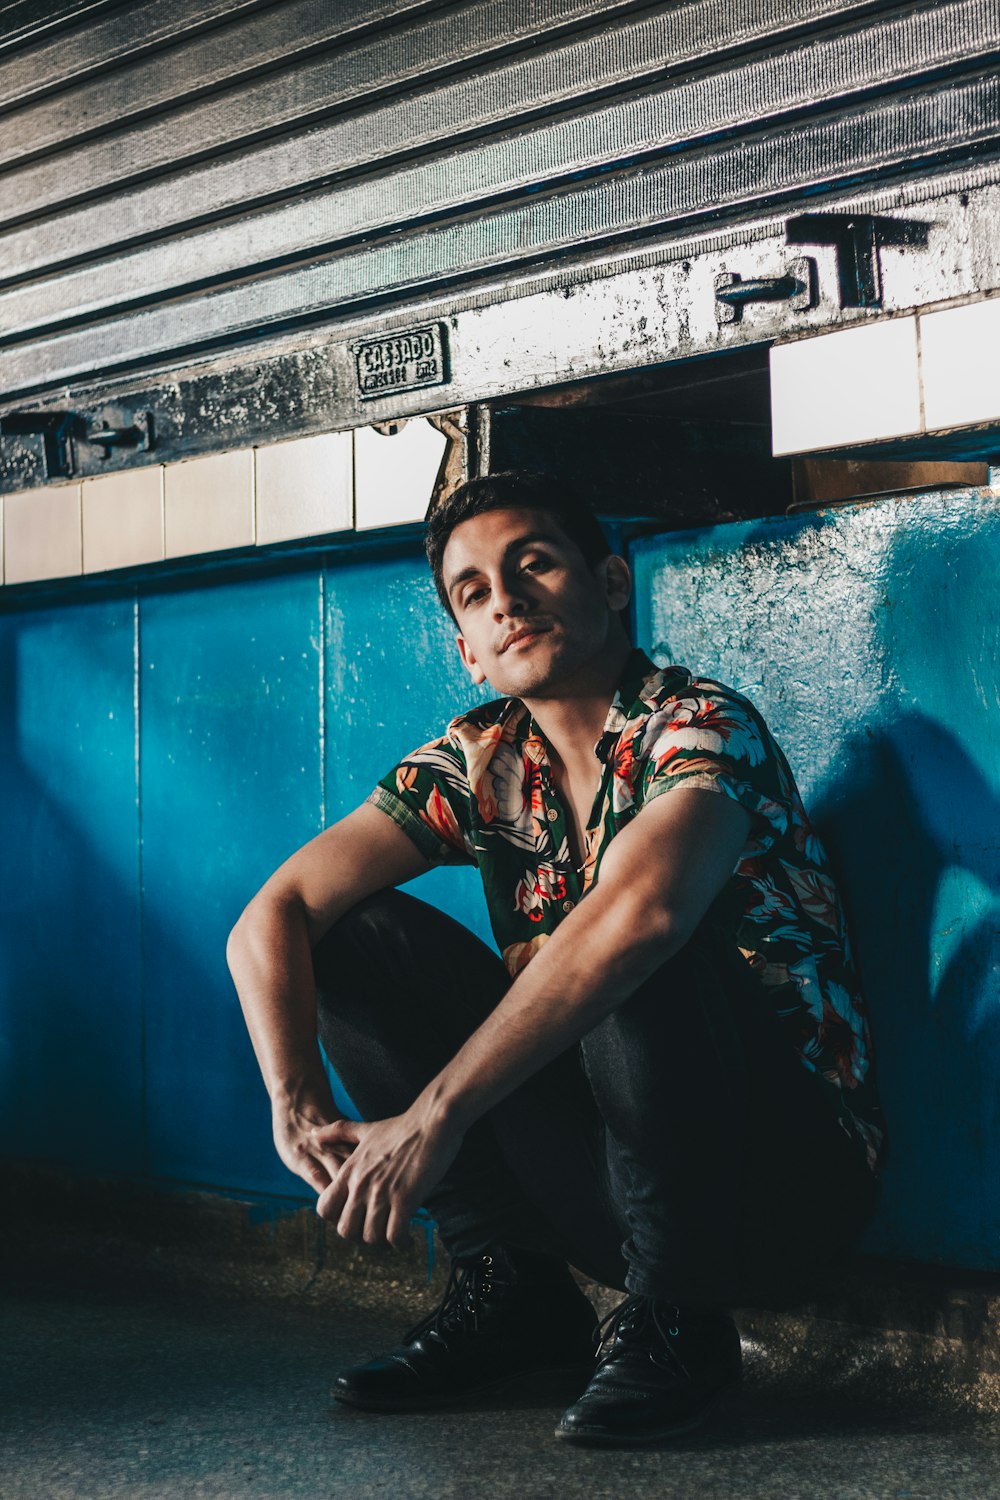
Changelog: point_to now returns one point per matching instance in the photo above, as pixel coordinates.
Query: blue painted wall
(70, 1014)
(870, 638)
(164, 746)
(161, 752)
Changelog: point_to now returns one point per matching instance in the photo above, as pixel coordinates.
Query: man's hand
(392, 1166)
(294, 1125)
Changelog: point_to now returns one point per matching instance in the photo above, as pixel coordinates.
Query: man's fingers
(331, 1158)
(375, 1221)
(338, 1133)
(317, 1176)
(397, 1230)
(332, 1200)
(311, 1169)
(351, 1224)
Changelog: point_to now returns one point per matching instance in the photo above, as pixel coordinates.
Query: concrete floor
(146, 1396)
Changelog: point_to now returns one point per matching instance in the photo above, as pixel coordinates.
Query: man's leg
(728, 1164)
(708, 1151)
(400, 987)
(732, 1174)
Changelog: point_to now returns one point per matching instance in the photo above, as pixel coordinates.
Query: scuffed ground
(151, 1395)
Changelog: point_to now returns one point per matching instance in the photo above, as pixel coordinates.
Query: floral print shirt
(483, 794)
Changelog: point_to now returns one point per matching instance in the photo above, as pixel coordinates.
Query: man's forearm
(270, 960)
(577, 978)
(591, 964)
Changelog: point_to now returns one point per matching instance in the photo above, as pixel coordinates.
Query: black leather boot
(660, 1372)
(505, 1316)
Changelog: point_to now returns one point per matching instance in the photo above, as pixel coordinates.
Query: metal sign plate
(402, 361)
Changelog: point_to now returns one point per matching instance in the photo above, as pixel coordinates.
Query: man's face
(529, 609)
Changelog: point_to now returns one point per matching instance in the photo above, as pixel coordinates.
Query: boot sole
(543, 1385)
(604, 1437)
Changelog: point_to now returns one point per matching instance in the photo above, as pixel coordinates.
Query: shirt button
(552, 815)
(568, 905)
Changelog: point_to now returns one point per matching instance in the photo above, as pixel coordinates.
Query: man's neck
(572, 720)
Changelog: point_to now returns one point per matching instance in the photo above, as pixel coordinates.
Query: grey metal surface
(688, 113)
(88, 41)
(101, 35)
(208, 175)
(548, 76)
(23, 20)
(734, 177)
(634, 309)
(248, 47)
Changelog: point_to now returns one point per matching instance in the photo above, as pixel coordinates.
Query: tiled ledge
(333, 482)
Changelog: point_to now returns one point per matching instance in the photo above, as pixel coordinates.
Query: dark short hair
(512, 489)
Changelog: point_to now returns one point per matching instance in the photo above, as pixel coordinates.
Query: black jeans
(681, 1151)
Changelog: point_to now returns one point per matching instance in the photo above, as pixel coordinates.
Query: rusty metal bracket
(857, 240)
(795, 286)
(62, 432)
(55, 428)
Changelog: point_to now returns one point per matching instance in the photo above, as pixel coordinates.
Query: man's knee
(357, 936)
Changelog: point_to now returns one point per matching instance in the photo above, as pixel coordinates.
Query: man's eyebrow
(528, 540)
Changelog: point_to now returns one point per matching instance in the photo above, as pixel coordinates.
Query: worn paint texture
(870, 638)
(162, 752)
(70, 983)
(165, 745)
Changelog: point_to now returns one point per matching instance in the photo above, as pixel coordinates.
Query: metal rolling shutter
(213, 184)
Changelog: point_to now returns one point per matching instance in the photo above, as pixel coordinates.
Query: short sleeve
(427, 796)
(714, 740)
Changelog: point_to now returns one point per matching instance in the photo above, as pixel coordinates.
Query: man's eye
(475, 595)
(535, 564)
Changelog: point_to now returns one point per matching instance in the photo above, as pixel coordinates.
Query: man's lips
(526, 633)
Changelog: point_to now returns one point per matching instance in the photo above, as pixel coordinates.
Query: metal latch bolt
(795, 286)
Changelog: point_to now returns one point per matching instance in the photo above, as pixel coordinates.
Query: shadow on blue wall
(870, 639)
(921, 903)
(70, 1071)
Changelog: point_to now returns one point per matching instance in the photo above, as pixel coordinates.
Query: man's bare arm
(270, 958)
(657, 881)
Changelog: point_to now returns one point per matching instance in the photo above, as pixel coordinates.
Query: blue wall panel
(870, 638)
(237, 772)
(231, 785)
(70, 991)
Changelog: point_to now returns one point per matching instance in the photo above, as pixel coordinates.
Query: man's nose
(509, 598)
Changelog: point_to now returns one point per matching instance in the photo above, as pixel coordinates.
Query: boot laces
(641, 1325)
(466, 1295)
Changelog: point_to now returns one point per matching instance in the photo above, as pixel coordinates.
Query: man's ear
(617, 581)
(473, 668)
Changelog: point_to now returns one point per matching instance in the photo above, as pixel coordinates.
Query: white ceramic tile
(394, 476)
(42, 534)
(304, 487)
(854, 386)
(959, 365)
(208, 504)
(123, 519)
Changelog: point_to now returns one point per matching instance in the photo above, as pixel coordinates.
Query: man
(666, 1084)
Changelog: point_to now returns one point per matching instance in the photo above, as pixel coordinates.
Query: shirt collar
(626, 704)
(631, 701)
